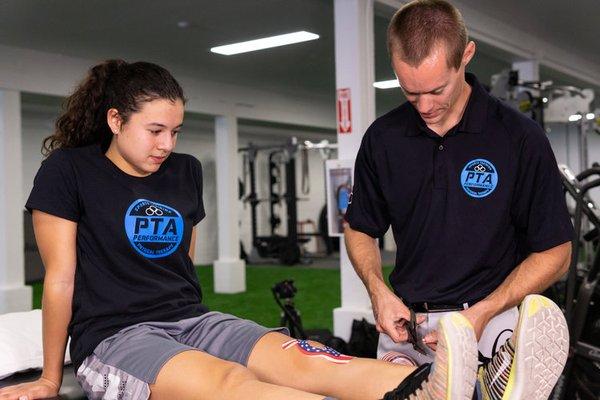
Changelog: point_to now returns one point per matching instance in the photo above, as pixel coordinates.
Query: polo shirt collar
(473, 119)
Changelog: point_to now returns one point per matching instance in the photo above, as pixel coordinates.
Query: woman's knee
(197, 375)
(233, 374)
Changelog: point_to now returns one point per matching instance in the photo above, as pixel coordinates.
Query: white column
(14, 295)
(354, 67)
(229, 269)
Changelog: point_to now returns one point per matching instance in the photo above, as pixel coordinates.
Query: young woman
(114, 211)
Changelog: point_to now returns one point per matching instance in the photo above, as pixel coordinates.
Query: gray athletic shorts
(124, 365)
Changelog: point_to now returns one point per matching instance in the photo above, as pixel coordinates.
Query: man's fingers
(393, 334)
(402, 335)
(432, 346)
(397, 331)
(400, 328)
(431, 338)
(393, 331)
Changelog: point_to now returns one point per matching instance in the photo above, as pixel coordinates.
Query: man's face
(433, 88)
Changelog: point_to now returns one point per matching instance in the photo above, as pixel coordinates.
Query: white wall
(56, 75)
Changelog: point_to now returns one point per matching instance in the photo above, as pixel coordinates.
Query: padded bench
(21, 355)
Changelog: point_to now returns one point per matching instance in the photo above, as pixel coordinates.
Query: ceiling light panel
(264, 43)
(392, 83)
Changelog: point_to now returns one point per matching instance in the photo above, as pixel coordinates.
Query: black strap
(425, 307)
(413, 336)
(410, 384)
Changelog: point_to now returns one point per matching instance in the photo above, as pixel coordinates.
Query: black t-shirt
(466, 208)
(133, 238)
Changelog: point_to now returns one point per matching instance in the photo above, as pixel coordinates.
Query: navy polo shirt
(466, 208)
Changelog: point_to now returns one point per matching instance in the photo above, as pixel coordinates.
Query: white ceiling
(573, 25)
(147, 29)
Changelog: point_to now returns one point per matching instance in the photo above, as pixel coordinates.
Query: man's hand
(390, 312)
(478, 315)
(391, 315)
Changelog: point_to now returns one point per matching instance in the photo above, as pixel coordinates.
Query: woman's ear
(113, 118)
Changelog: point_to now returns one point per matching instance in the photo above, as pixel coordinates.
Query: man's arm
(390, 312)
(535, 274)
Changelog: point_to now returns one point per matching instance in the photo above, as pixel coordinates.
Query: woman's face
(144, 142)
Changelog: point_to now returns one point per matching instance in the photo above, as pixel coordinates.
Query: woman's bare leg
(315, 372)
(279, 360)
(194, 375)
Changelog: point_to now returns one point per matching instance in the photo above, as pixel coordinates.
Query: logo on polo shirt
(479, 178)
(154, 230)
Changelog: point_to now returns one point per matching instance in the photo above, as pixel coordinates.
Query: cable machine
(548, 103)
(281, 173)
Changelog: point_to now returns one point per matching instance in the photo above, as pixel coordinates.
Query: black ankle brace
(410, 384)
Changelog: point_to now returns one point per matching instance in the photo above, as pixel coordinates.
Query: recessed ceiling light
(392, 83)
(183, 24)
(574, 117)
(264, 43)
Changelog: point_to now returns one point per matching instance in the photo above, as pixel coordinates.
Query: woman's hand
(40, 389)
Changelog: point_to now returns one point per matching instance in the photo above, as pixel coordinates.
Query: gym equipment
(547, 103)
(507, 86)
(363, 339)
(284, 248)
(284, 293)
(281, 169)
(581, 295)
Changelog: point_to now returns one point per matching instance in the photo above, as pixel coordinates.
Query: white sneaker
(528, 365)
(453, 373)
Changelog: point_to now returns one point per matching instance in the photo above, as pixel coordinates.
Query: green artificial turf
(318, 294)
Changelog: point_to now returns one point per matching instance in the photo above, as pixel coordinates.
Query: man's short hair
(420, 25)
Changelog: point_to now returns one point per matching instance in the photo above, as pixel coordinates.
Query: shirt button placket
(440, 167)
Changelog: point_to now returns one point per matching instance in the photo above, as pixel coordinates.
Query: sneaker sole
(541, 350)
(461, 348)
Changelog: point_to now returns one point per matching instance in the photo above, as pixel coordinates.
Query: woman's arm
(56, 239)
(192, 245)
(56, 242)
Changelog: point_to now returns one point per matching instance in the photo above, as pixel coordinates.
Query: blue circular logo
(479, 178)
(154, 230)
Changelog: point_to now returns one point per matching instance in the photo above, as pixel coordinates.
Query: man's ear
(468, 53)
